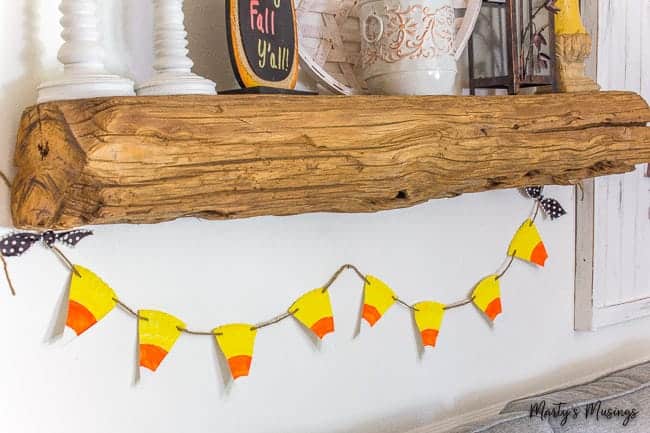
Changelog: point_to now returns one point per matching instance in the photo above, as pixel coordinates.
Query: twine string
(507, 268)
(459, 303)
(405, 304)
(6, 269)
(7, 182)
(129, 310)
(275, 320)
(359, 273)
(5, 179)
(538, 204)
(65, 260)
(190, 332)
(338, 273)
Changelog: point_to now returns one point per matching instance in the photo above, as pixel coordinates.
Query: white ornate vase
(407, 46)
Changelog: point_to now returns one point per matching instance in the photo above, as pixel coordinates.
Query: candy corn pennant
(527, 244)
(157, 333)
(487, 297)
(237, 342)
(314, 310)
(377, 299)
(90, 300)
(428, 317)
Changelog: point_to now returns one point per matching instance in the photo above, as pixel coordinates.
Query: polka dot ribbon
(16, 244)
(551, 207)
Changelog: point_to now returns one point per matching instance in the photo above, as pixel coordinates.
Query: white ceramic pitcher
(410, 47)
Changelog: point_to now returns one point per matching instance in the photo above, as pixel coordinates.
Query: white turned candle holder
(173, 67)
(84, 74)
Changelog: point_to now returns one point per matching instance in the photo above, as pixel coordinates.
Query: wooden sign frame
(244, 71)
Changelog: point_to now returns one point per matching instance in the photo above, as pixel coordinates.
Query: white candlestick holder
(173, 67)
(84, 74)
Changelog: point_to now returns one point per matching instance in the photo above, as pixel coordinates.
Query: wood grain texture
(146, 160)
(571, 51)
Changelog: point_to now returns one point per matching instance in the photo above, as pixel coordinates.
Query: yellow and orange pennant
(487, 297)
(157, 333)
(314, 310)
(377, 299)
(527, 244)
(428, 317)
(237, 342)
(90, 300)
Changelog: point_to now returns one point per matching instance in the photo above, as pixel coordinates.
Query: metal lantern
(513, 46)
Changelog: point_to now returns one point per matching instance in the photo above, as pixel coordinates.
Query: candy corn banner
(157, 334)
(314, 310)
(91, 299)
(527, 244)
(428, 317)
(377, 299)
(487, 297)
(236, 343)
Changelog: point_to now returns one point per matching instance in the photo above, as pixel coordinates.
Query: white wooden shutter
(613, 224)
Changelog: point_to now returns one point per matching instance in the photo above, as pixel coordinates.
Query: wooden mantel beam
(152, 159)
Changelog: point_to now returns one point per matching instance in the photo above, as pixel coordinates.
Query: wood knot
(402, 195)
(44, 150)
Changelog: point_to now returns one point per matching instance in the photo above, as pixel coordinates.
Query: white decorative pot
(407, 46)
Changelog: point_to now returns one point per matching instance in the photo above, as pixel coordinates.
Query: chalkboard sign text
(263, 42)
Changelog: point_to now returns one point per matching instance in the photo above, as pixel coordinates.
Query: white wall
(210, 273)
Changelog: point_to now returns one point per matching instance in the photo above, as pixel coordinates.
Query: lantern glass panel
(490, 43)
(513, 45)
(534, 27)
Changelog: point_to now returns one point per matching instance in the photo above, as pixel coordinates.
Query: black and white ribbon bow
(551, 207)
(16, 244)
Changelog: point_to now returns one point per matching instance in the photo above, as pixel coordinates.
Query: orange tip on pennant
(539, 254)
(237, 342)
(323, 327)
(80, 319)
(151, 356)
(428, 318)
(239, 366)
(377, 299)
(90, 300)
(157, 334)
(314, 311)
(487, 297)
(429, 337)
(370, 314)
(527, 244)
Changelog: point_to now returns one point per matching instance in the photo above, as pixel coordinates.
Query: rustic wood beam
(152, 159)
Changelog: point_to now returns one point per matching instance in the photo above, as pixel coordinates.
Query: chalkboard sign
(263, 42)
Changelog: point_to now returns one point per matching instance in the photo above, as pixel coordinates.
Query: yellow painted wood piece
(377, 299)
(237, 342)
(314, 310)
(487, 297)
(527, 244)
(92, 292)
(568, 20)
(428, 318)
